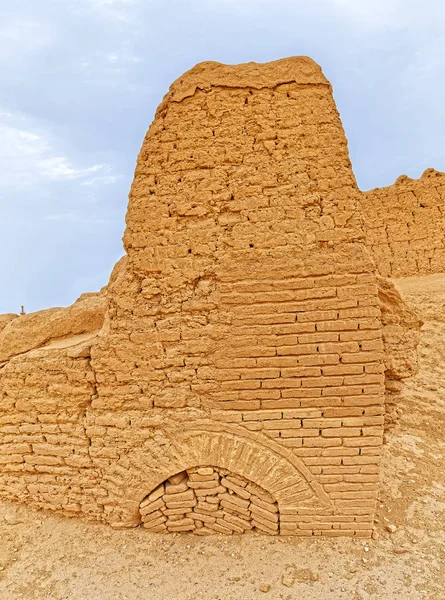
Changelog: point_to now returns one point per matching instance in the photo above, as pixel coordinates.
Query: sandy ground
(52, 558)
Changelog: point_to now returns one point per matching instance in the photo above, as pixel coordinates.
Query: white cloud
(28, 157)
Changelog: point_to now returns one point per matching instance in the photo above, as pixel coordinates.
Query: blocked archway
(243, 453)
(208, 500)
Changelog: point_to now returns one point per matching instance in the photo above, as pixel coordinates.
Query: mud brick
(239, 481)
(152, 516)
(199, 516)
(179, 497)
(219, 528)
(231, 526)
(155, 494)
(261, 513)
(153, 506)
(263, 527)
(229, 506)
(202, 485)
(240, 491)
(178, 478)
(203, 531)
(155, 523)
(180, 522)
(176, 511)
(268, 506)
(210, 491)
(182, 528)
(182, 504)
(207, 506)
(238, 521)
(196, 477)
(259, 493)
(171, 488)
(234, 499)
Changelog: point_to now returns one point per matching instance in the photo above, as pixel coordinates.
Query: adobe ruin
(231, 376)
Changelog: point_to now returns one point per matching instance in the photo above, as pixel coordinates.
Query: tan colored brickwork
(405, 225)
(206, 501)
(242, 331)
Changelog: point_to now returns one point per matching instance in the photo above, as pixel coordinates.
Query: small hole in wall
(421, 206)
(250, 245)
(246, 101)
(190, 250)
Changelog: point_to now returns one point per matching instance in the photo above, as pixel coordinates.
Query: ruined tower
(234, 376)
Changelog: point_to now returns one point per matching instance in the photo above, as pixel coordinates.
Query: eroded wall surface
(242, 337)
(405, 225)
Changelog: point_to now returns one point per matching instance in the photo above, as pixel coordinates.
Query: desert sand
(55, 558)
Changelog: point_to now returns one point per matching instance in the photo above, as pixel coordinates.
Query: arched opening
(226, 447)
(208, 500)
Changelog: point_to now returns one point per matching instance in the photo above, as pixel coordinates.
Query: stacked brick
(405, 225)
(209, 500)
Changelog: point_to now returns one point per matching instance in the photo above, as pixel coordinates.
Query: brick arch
(249, 454)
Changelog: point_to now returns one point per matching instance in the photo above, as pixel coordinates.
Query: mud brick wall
(242, 337)
(405, 224)
(44, 449)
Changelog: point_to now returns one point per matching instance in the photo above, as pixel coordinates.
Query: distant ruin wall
(405, 225)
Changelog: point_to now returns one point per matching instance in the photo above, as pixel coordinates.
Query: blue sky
(80, 81)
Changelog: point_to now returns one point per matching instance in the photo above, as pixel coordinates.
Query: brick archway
(227, 446)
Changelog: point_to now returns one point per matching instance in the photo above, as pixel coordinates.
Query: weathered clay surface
(401, 336)
(37, 329)
(5, 319)
(241, 334)
(405, 225)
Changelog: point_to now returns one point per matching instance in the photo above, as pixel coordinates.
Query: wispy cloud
(29, 157)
